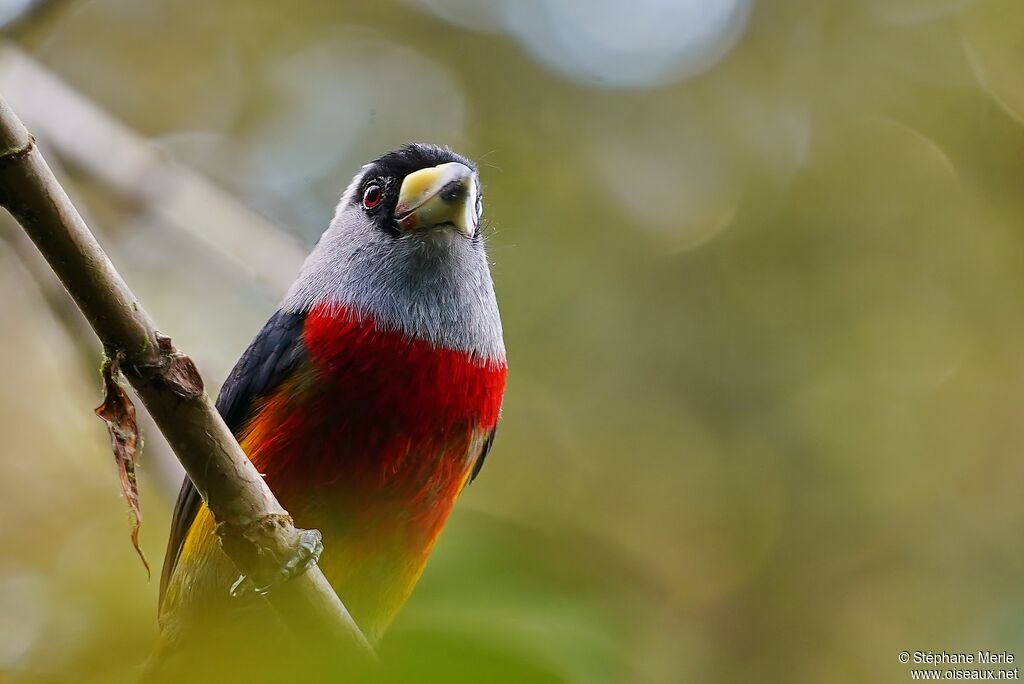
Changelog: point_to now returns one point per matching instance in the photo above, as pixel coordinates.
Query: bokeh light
(608, 43)
(759, 267)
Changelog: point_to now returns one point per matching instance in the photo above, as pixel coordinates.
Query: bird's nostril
(453, 191)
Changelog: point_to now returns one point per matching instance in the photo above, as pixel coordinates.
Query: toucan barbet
(368, 400)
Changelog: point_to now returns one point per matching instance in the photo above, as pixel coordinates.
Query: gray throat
(434, 285)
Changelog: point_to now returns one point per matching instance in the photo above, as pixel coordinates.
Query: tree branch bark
(255, 528)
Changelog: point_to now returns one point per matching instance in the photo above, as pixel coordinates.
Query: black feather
(479, 463)
(413, 157)
(272, 357)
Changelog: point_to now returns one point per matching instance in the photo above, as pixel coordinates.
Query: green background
(764, 320)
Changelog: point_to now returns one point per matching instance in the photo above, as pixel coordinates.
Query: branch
(161, 460)
(255, 528)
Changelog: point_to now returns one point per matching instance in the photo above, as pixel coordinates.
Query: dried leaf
(118, 412)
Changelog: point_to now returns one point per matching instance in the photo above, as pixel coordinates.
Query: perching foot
(307, 553)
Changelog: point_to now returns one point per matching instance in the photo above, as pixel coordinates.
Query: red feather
(371, 443)
(390, 374)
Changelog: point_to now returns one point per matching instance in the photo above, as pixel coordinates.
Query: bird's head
(418, 192)
(405, 249)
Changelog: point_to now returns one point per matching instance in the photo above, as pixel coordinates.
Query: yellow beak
(443, 195)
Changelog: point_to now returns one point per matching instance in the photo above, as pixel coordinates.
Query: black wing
(270, 358)
(479, 464)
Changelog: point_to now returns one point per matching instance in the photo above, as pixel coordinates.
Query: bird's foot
(306, 554)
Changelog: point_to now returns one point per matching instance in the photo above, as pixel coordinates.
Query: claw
(307, 554)
(241, 586)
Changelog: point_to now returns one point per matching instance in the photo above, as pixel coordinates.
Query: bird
(368, 400)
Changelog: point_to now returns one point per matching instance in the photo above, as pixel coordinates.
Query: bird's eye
(372, 195)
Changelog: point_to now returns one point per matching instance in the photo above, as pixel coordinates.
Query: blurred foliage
(763, 418)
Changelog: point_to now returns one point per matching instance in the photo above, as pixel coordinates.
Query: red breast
(376, 423)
